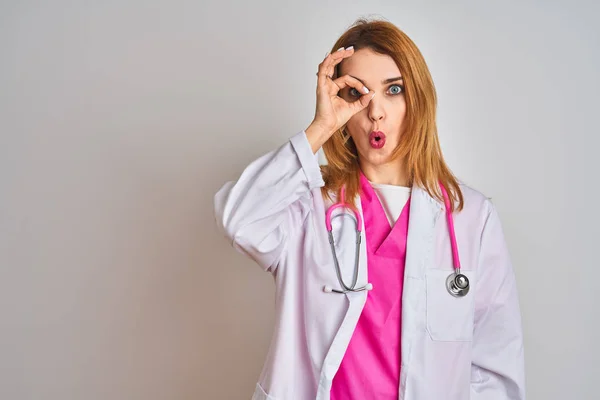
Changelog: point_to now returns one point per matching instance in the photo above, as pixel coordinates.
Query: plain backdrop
(119, 120)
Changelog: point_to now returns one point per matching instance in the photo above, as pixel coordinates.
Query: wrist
(317, 135)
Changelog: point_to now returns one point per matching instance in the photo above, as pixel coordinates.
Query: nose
(376, 111)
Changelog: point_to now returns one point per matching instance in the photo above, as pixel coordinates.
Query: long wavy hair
(419, 147)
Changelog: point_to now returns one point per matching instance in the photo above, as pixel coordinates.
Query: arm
(498, 371)
(272, 197)
(269, 201)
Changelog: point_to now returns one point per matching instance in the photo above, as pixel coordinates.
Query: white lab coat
(452, 348)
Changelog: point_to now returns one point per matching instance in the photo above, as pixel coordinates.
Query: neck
(392, 173)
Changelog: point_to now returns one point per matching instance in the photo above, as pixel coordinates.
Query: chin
(376, 156)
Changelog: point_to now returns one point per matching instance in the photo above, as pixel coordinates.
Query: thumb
(364, 101)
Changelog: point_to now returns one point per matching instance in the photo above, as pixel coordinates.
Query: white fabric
(392, 198)
(468, 348)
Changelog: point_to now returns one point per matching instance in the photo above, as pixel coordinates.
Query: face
(385, 112)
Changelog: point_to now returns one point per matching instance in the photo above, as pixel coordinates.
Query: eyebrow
(385, 81)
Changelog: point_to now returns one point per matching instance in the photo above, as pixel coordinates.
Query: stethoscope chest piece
(457, 284)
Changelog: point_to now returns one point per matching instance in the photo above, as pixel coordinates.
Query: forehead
(369, 66)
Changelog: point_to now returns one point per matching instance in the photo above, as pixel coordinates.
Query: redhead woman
(393, 278)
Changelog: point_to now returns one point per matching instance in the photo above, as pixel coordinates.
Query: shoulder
(479, 213)
(475, 201)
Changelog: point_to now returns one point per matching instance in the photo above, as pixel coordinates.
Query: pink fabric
(370, 368)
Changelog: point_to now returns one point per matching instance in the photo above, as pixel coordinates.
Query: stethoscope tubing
(453, 244)
(457, 283)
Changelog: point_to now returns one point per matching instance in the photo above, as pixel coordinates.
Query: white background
(120, 120)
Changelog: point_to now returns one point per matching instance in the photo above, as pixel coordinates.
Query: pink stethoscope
(457, 284)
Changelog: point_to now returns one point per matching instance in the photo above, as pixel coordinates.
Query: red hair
(419, 146)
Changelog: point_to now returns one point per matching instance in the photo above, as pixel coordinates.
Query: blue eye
(398, 86)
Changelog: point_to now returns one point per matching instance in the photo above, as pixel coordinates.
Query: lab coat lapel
(424, 212)
(356, 303)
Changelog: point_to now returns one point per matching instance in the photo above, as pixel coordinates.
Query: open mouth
(377, 139)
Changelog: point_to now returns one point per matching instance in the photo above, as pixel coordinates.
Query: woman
(411, 328)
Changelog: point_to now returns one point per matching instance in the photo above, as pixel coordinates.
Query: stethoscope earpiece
(329, 289)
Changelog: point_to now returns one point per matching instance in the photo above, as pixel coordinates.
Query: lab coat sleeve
(497, 368)
(268, 203)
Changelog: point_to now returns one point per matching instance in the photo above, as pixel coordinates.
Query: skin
(341, 101)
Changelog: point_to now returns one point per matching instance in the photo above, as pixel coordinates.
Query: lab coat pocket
(261, 394)
(449, 318)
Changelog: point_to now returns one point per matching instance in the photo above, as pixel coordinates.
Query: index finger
(347, 80)
(335, 58)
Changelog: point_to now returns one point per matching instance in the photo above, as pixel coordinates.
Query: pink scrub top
(370, 368)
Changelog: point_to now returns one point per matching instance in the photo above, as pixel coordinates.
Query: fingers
(336, 57)
(363, 101)
(326, 68)
(347, 80)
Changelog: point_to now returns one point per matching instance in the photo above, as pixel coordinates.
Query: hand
(332, 111)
